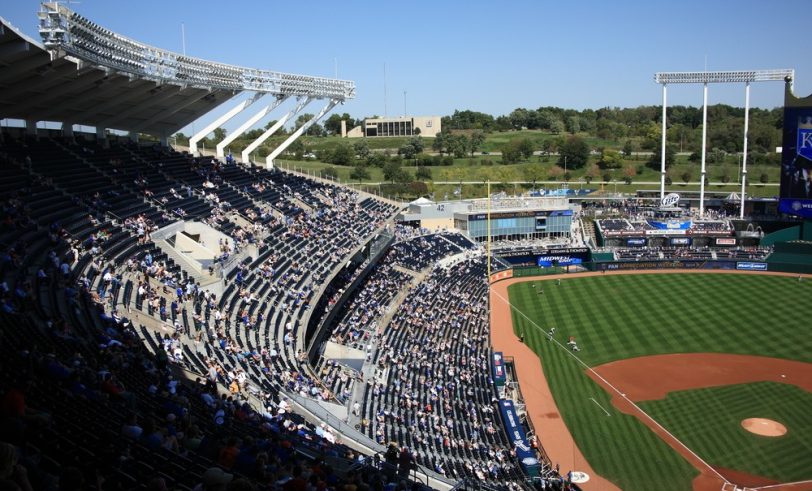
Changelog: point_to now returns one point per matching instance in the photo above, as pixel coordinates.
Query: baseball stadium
(176, 319)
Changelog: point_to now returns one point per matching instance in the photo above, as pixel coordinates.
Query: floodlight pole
(704, 149)
(744, 148)
(705, 77)
(662, 149)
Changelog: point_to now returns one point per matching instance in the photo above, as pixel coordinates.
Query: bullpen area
(675, 380)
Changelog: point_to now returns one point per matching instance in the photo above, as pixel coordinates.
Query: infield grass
(624, 316)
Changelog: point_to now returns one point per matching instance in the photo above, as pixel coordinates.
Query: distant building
(427, 126)
(512, 217)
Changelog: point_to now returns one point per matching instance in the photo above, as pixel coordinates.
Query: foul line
(796, 483)
(599, 405)
(621, 394)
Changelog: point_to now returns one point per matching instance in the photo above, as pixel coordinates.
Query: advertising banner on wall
(515, 431)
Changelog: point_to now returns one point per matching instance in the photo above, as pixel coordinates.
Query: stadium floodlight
(740, 76)
(65, 32)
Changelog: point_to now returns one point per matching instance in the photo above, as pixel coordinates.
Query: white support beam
(248, 124)
(662, 149)
(744, 149)
(296, 134)
(222, 120)
(300, 104)
(704, 149)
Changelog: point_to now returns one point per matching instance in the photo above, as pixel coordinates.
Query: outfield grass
(618, 317)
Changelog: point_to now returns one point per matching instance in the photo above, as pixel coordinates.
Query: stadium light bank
(744, 76)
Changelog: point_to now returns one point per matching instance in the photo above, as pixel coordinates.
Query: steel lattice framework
(65, 32)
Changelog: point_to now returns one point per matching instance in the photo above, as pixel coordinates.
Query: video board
(796, 157)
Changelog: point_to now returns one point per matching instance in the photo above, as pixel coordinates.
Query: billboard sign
(499, 375)
(796, 157)
(682, 241)
(635, 242)
(670, 200)
(726, 242)
(547, 261)
(751, 266)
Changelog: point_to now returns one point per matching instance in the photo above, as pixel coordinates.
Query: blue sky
(482, 55)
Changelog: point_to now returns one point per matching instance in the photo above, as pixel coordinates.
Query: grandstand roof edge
(64, 30)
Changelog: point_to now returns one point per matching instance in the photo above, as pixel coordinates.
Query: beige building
(427, 126)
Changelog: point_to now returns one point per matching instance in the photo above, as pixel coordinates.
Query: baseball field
(668, 370)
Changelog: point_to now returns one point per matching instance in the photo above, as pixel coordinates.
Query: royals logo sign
(804, 147)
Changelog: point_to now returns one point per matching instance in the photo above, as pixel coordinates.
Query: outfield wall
(694, 264)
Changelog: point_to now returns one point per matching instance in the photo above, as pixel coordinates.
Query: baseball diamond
(687, 355)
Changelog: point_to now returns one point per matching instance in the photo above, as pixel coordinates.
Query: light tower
(705, 78)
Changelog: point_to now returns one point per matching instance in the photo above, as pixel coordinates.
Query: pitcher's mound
(764, 427)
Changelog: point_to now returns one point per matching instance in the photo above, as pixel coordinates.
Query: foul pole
(488, 239)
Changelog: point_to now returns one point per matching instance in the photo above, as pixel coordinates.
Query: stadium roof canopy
(85, 74)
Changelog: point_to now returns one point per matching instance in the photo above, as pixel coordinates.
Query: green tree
(332, 125)
(557, 126)
(686, 176)
(610, 159)
(361, 148)
(764, 178)
(628, 149)
(525, 147)
(475, 141)
(573, 124)
(670, 155)
(342, 154)
(438, 145)
(219, 135)
(423, 173)
(457, 145)
(391, 171)
(574, 152)
(376, 159)
(725, 174)
(359, 172)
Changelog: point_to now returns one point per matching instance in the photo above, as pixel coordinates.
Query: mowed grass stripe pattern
(615, 317)
(697, 416)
